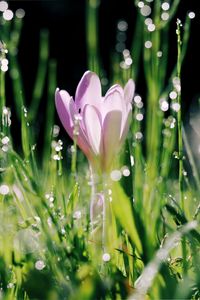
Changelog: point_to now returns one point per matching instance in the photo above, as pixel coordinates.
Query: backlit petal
(113, 101)
(93, 128)
(88, 91)
(66, 109)
(111, 137)
(129, 91)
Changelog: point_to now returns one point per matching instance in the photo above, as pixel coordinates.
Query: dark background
(65, 20)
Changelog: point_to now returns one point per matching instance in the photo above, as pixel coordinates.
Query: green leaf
(123, 211)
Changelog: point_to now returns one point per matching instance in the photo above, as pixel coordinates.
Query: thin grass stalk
(41, 74)
(92, 34)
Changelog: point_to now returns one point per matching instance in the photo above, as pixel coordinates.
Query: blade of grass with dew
(123, 212)
(92, 34)
(48, 131)
(14, 70)
(41, 74)
(145, 281)
(191, 160)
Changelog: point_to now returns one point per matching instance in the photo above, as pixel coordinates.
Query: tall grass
(46, 249)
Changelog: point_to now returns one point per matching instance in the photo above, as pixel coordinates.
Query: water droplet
(37, 219)
(109, 192)
(148, 44)
(75, 132)
(176, 106)
(77, 214)
(63, 231)
(116, 175)
(3, 6)
(164, 16)
(138, 135)
(58, 148)
(120, 47)
(125, 171)
(104, 81)
(51, 205)
(4, 61)
(177, 84)
(4, 68)
(56, 130)
(164, 105)
(167, 133)
(128, 61)
(121, 36)
(148, 21)
(106, 257)
(49, 222)
(132, 160)
(126, 53)
(139, 117)
(39, 265)
(137, 99)
(56, 157)
(8, 15)
(139, 105)
(140, 4)
(151, 27)
(77, 118)
(72, 149)
(123, 65)
(191, 15)
(5, 148)
(173, 95)
(51, 199)
(20, 13)
(122, 25)
(10, 285)
(184, 173)
(4, 189)
(165, 6)
(159, 54)
(5, 140)
(145, 10)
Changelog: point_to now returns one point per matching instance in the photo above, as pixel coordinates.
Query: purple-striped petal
(113, 101)
(125, 127)
(129, 91)
(93, 128)
(66, 109)
(88, 91)
(111, 137)
(115, 87)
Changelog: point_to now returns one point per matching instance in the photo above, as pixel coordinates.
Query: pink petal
(113, 101)
(88, 91)
(111, 136)
(66, 109)
(129, 91)
(125, 127)
(115, 87)
(92, 124)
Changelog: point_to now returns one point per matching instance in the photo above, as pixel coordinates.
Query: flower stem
(2, 91)
(180, 140)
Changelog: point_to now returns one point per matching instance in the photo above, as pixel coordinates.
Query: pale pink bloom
(103, 122)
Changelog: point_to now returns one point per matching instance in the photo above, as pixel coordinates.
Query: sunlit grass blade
(48, 131)
(91, 35)
(145, 281)
(123, 211)
(41, 74)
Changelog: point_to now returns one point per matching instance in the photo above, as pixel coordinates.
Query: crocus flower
(103, 122)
